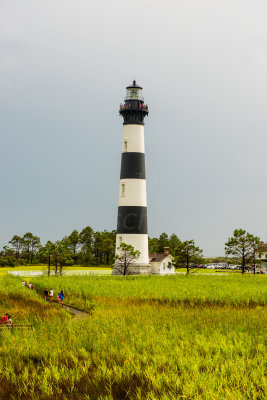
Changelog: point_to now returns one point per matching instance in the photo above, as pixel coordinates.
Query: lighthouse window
(125, 145)
(134, 94)
(123, 189)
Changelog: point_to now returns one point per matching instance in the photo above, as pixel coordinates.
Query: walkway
(77, 313)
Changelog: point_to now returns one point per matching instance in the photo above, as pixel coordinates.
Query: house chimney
(262, 243)
(166, 251)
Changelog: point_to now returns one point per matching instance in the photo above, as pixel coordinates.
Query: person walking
(51, 295)
(61, 297)
(9, 320)
(4, 319)
(45, 293)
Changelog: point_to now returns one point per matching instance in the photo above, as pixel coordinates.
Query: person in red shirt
(4, 320)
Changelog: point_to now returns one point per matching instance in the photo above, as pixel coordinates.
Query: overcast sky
(64, 66)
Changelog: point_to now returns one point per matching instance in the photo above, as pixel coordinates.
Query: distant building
(162, 263)
(262, 257)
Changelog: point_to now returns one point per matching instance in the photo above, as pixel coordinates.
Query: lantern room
(134, 92)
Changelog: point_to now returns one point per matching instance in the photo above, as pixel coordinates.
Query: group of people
(25, 283)
(49, 295)
(6, 320)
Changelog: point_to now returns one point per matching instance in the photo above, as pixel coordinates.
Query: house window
(163, 265)
(123, 189)
(120, 239)
(125, 145)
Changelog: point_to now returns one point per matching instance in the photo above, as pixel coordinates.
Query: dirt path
(77, 313)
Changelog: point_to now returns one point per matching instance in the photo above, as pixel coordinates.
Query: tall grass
(193, 290)
(141, 349)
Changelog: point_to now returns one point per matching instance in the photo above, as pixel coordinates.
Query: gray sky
(64, 66)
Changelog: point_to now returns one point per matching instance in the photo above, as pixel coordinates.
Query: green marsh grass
(236, 290)
(145, 339)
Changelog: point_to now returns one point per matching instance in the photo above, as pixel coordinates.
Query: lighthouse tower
(132, 210)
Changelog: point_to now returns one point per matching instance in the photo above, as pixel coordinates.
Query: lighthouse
(132, 207)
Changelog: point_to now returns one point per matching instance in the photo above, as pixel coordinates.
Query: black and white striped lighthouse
(132, 210)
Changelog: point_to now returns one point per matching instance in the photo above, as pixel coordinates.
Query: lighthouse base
(142, 269)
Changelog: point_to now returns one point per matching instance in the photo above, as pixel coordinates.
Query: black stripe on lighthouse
(132, 219)
(133, 166)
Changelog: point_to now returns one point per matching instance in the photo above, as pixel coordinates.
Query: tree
(173, 242)
(86, 240)
(57, 255)
(47, 252)
(98, 248)
(7, 257)
(8, 252)
(34, 247)
(127, 255)
(163, 242)
(108, 245)
(74, 239)
(242, 246)
(156, 245)
(26, 245)
(16, 242)
(153, 245)
(186, 254)
(30, 244)
(64, 255)
(255, 251)
(7, 261)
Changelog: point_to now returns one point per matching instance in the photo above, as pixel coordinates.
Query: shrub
(8, 262)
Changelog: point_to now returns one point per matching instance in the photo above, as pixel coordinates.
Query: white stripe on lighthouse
(133, 139)
(139, 242)
(132, 192)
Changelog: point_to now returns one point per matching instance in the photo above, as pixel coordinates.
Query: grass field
(180, 289)
(182, 337)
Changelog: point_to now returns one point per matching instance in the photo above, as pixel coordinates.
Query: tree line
(98, 248)
(85, 248)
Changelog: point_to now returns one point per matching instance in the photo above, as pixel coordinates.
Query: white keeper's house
(161, 264)
(262, 257)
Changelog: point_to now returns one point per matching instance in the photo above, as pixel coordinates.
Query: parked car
(223, 265)
(211, 266)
